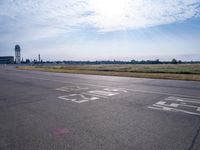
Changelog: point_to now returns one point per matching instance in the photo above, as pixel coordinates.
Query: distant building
(28, 61)
(6, 60)
(17, 54)
(39, 58)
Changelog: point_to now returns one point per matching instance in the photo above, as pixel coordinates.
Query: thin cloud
(134, 14)
(104, 15)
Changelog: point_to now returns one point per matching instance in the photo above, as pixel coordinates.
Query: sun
(109, 12)
(109, 7)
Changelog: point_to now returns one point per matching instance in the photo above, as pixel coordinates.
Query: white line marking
(161, 108)
(175, 104)
(62, 89)
(91, 94)
(158, 107)
(103, 93)
(188, 105)
(161, 103)
(164, 104)
(116, 90)
(83, 98)
(178, 99)
(179, 110)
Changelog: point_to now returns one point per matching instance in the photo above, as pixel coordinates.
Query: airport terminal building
(7, 60)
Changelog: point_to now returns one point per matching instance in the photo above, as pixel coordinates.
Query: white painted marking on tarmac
(179, 99)
(92, 94)
(85, 96)
(103, 93)
(78, 98)
(164, 104)
(161, 103)
(157, 107)
(161, 108)
(63, 89)
(174, 105)
(116, 90)
(189, 106)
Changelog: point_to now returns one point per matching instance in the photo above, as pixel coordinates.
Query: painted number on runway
(83, 94)
(78, 98)
(178, 104)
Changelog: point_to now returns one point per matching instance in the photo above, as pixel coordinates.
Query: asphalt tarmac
(57, 111)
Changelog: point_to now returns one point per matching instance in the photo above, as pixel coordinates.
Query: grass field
(161, 71)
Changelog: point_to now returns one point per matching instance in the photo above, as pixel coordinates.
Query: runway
(57, 111)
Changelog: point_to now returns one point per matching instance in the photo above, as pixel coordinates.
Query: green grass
(179, 71)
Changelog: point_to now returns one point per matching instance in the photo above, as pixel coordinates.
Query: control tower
(17, 54)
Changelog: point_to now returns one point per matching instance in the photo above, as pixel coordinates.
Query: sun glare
(109, 12)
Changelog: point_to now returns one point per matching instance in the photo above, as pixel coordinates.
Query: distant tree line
(157, 61)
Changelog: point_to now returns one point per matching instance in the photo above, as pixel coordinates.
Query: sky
(101, 29)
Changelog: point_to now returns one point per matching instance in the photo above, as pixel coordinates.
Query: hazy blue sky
(101, 29)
